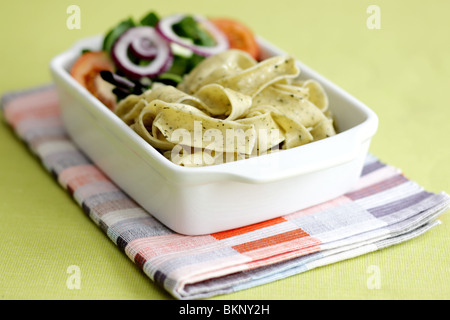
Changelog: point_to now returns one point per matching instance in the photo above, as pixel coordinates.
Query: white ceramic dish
(209, 199)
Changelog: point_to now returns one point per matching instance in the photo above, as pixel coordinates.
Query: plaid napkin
(384, 209)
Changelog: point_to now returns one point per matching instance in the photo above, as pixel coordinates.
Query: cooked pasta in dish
(230, 107)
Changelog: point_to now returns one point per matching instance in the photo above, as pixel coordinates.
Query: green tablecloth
(402, 71)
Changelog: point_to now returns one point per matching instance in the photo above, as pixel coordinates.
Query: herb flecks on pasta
(231, 107)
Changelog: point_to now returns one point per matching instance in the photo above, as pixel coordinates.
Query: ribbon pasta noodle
(230, 107)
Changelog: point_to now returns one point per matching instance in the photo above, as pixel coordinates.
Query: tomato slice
(86, 70)
(239, 35)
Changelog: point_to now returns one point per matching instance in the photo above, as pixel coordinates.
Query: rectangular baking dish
(203, 200)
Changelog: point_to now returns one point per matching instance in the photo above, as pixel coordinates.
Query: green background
(402, 71)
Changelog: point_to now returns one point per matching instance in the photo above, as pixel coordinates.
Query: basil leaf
(189, 28)
(115, 33)
(151, 20)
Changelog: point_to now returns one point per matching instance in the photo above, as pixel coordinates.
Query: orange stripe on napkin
(271, 241)
(31, 106)
(75, 177)
(238, 231)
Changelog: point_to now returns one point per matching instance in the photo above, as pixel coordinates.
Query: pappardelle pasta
(230, 107)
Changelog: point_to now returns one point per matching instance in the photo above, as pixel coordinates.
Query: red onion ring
(164, 27)
(161, 62)
(143, 48)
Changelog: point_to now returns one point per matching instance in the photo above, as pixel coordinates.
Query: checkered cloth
(384, 209)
